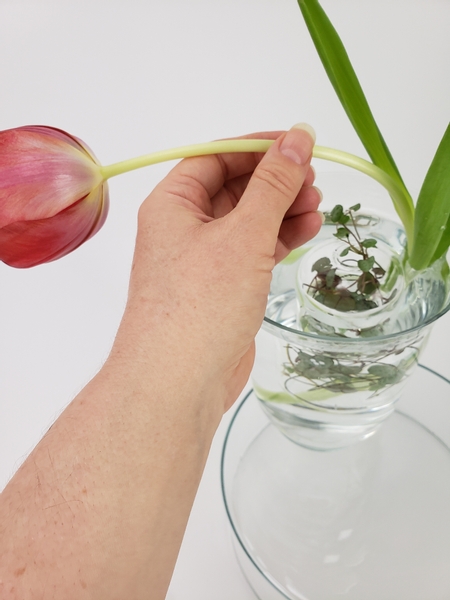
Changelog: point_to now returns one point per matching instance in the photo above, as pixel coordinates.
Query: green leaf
(367, 284)
(345, 82)
(355, 207)
(323, 265)
(432, 217)
(386, 374)
(341, 233)
(369, 243)
(366, 265)
(337, 302)
(379, 271)
(336, 213)
(329, 281)
(362, 304)
(344, 252)
(444, 243)
(348, 370)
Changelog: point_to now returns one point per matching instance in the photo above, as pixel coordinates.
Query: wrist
(154, 367)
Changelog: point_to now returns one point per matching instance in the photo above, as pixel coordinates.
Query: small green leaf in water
(323, 265)
(349, 370)
(378, 271)
(363, 304)
(386, 374)
(341, 303)
(367, 284)
(329, 280)
(366, 265)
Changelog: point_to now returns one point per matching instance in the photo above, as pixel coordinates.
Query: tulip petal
(43, 171)
(29, 243)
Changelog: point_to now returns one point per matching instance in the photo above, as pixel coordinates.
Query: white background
(143, 75)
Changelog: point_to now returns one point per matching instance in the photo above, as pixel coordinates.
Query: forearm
(99, 508)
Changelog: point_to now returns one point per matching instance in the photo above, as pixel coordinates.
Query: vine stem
(402, 202)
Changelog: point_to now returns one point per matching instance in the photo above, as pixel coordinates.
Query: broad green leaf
(345, 82)
(432, 217)
(443, 244)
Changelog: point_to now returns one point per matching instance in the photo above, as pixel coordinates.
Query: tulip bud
(53, 196)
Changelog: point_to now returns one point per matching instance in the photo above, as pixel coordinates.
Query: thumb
(276, 181)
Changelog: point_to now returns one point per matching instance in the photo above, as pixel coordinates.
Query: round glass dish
(368, 521)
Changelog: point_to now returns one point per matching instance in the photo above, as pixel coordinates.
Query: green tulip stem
(402, 204)
(217, 147)
(400, 198)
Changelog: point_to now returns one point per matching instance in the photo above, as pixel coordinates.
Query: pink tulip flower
(53, 196)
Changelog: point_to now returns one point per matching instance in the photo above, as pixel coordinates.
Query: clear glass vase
(328, 371)
(366, 522)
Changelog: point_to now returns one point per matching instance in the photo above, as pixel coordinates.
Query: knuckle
(276, 177)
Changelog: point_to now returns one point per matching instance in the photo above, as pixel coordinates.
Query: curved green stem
(402, 203)
(217, 147)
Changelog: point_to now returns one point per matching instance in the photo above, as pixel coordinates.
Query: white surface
(138, 76)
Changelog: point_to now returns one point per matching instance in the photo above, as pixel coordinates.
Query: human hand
(208, 238)
(127, 454)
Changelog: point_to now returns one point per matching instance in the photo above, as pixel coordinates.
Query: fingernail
(306, 127)
(319, 191)
(298, 148)
(322, 216)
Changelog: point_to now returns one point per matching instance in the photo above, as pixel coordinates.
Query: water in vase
(328, 377)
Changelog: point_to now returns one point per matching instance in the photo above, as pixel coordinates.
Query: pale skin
(99, 508)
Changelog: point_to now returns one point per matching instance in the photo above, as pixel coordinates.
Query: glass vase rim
(379, 214)
(358, 340)
(225, 497)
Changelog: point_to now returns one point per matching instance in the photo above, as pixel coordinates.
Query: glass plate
(370, 521)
